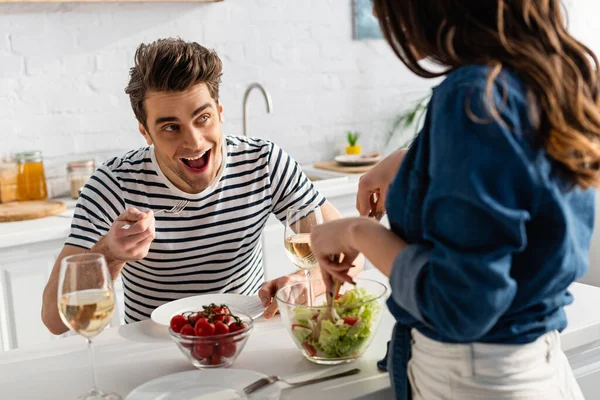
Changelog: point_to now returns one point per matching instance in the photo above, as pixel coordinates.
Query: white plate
(250, 305)
(214, 384)
(357, 160)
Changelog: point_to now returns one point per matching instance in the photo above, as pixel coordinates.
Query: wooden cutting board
(337, 167)
(24, 210)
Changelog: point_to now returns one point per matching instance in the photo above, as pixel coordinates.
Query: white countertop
(130, 355)
(58, 227)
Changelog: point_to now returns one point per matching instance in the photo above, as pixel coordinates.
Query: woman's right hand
(377, 181)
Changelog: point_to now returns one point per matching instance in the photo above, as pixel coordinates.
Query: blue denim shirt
(495, 235)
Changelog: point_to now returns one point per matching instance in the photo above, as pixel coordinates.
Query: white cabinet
(24, 271)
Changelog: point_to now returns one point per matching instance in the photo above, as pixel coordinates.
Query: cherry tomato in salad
(221, 328)
(309, 348)
(202, 350)
(204, 328)
(350, 320)
(338, 296)
(235, 327)
(177, 322)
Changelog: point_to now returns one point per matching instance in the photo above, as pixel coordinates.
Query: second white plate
(217, 384)
(250, 305)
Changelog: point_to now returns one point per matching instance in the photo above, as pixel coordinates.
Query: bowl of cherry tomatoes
(213, 337)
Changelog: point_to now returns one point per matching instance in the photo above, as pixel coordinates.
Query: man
(232, 184)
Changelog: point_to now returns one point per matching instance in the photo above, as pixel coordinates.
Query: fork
(267, 380)
(374, 200)
(176, 209)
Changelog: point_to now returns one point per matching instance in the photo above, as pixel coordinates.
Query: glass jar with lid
(31, 180)
(79, 173)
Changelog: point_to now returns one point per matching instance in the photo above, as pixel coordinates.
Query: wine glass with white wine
(86, 302)
(299, 223)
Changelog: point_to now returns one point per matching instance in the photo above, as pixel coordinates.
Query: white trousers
(534, 371)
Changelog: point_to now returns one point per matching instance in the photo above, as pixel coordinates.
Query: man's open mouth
(197, 163)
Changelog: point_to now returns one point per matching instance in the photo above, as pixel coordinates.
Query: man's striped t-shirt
(214, 245)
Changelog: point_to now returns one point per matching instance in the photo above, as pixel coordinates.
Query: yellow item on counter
(353, 149)
(31, 180)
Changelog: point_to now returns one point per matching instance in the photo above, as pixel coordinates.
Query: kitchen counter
(130, 355)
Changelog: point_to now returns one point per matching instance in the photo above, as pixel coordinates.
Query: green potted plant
(352, 147)
(410, 120)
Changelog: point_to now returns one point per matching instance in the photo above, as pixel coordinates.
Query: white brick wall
(63, 68)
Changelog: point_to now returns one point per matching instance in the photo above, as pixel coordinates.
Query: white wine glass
(299, 223)
(86, 302)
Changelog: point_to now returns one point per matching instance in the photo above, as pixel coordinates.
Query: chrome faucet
(267, 97)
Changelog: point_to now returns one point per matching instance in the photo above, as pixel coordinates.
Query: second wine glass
(300, 221)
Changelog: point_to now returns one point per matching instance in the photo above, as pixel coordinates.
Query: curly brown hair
(171, 65)
(529, 37)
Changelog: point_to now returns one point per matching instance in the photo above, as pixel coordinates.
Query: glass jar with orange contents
(31, 181)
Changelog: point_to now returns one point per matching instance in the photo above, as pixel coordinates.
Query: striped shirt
(214, 245)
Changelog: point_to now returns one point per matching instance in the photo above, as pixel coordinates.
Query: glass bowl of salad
(342, 336)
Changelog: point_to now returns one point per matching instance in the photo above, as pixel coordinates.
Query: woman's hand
(377, 181)
(332, 244)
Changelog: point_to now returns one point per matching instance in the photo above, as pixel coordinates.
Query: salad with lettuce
(354, 317)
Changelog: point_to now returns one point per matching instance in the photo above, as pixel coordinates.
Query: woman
(491, 209)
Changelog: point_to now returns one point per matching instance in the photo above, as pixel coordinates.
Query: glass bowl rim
(376, 298)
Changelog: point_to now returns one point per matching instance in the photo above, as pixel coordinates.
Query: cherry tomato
(214, 360)
(187, 330)
(314, 317)
(221, 328)
(226, 318)
(338, 296)
(202, 350)
(177, 322)
(309, 348)
(204, 328)
(234, 327)
(227, 349)
(192, 319)
(350, 320)
(220, 310)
